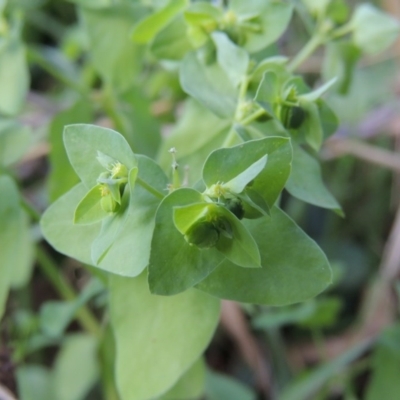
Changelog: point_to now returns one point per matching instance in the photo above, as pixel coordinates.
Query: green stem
(341, 31)
(110, 107)
(314, 42)
(149, 188)
(252, 117)
(66, 292)
(35, 216)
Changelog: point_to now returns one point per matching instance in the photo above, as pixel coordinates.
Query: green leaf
(225, 164)
(239, 182)
(141, 129)
(34, 382)
(89, 209)
(272, 16)
(306, 386)
(155, 331)
(83, 142)
(147, 28)
(209, 85)
(14, 76)
(67, 370)
(196, 118)
(186, 216)
(317, 93)
(130, 252)
(239, 247)
(190, 385)
(340, 60)
(316, 7)
(10, 214)
(305, 181)
(329, 120)
(110, 232)
(62, 177)
(24, 256)
(55, 316)
(171, 43)
(293, 269)
(108, 31)
(15, 140)
(385, 366)
(219, 386)
(268, 91)
(60, 231)
(233, 59)
(311, 126)
(373, 30)
(277, 317)
(242, 249)
(325, 314)
(175, 265)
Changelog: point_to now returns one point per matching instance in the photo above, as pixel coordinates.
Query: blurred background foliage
(345, 344)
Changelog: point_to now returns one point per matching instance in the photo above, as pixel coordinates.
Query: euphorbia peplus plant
(172, 244)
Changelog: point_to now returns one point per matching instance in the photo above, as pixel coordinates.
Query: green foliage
(170, 223)
(156, 330)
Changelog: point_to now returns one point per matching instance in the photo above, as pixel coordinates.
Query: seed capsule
(202, 234)
(292, 117)
(235, 206)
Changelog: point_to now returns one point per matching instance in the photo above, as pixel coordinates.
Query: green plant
(168, 226)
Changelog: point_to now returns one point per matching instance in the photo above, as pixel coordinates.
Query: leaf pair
(195, 232)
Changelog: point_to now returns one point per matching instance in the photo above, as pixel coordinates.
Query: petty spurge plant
(170, 225)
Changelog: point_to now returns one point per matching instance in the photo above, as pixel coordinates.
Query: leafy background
(343, 344)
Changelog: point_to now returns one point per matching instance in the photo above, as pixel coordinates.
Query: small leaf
(311, 126)
(225, 164)
(317, 93)
(190, 384)
(155, 331)
(233, 59)
(239, 182)
(14, 141)
(83, 142)
(83, 374)
(384, 382)
(219, 386)
(208, 126)
(34, 382)
(268, 91)
(241, 249)
(14, 75)
(108, 32)
(293, 269)
(209, 85)
(148, 28)
(175, 265)
(127, 250)
(340, 60)
(172, 43)
(373, 30)
(273, 18)
(305, 182)
(89, 209)
(10, 213)
(62, 176)
(186, 216)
